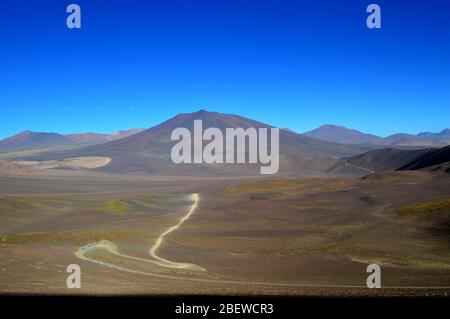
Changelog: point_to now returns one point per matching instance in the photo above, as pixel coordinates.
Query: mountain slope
(432, 158)
(389, 159)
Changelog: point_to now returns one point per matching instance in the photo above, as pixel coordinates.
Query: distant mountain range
(341, 134)
(332, 133)
(149, 151)
(30, 140)
(444, 135)
(327, 149)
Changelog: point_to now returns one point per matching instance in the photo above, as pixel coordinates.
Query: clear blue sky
(295, 64)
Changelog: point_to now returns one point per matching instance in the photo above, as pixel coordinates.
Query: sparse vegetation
(21, 204)
(430, 209)
(268, 185)
(115, 206)
(70, 237)
(435, 214)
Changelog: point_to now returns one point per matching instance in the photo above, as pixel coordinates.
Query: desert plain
(224, 235)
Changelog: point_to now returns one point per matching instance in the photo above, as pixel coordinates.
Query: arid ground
(186, 235)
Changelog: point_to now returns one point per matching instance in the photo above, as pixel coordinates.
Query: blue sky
(295, 64)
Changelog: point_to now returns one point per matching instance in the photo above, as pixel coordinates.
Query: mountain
(389, 159)
(31, 140)
(341, 134)
(88, 138)
(443, 136)
(95, 138)
(149, 151)
(402, 139)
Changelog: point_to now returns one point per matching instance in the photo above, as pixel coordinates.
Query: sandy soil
(89, 162)
(10, 168)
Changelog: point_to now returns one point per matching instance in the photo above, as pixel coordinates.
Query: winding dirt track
(167, 263)
(346, 163)
(162, 262)
(112, 248)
